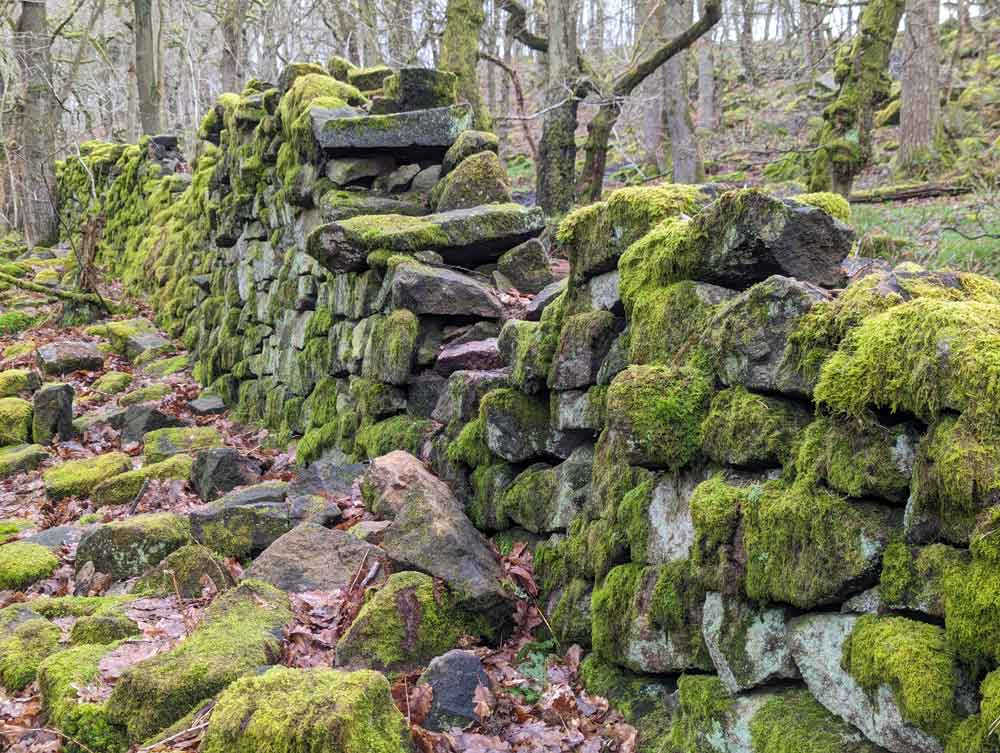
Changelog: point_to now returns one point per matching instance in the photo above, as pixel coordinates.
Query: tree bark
(707, 117)
(146, 76)
(653, 23)
(685, 153)
(746, 41)
(920, 100)
(460, 52)
(555, 169)
(233, 18)
(36, 153)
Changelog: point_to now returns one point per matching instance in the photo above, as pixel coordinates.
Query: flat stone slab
(69, 356)
(207, 405)
(437, 127)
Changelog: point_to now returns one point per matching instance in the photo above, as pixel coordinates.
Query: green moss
(23, 563)
(76, 606)
(18, 458)
(405, 624)
(397, 433)
(972, 611)
(391, 347)
(470, 446)
(162, 444)
(16, 381)
(715, 514)
(321, 710)
(833, 204)
(75, 478)
(659, 412)
(664, 322)
(15, 421)
(915, 578)
(85, 723)
(703, 703)
(985, 541)
(915, 660)
(570, 620)
(166, 366)
(13, 322)
(318, 440)
(12, 526)
(123, 488)
(23, 649)
(102, 629)
(112, 382)
(130, 546)
(488, 484)
(239, 633)
(185, 570)
(149, 393)
(528, 501)
(655, 260)
(787, 722)
(751, 430)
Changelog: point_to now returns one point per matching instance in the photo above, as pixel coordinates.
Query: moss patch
(22, 563)
(23, 650)
(77, 478)
(124, 487)
(752, 431)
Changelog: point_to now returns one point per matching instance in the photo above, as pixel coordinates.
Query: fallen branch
(903, 193)
(63, 295)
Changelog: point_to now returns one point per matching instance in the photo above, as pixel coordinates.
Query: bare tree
(920, 101)
(232, 17)
(707, 115)
(147, 75)
(684, 149)
(557, 148)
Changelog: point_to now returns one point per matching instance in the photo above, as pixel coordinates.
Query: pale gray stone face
(817, 643)
(671, 529)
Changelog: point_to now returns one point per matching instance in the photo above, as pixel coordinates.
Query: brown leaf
(421, 698)
(483, 702)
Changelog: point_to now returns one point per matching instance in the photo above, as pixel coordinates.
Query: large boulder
(244, 523)
(479, 179)
(444, 292)
(394, 479)
(313, 558)
(322, 710)
(130, 547)
(432, 130)
(66, 357)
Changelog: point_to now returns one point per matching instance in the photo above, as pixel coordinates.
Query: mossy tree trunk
(920, 100)
(460, 52)
(146, 73)
(845, 139)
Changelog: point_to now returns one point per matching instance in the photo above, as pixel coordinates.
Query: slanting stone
(161, 444)
(405, 624)
(584, 341)
(77, 478)
(207, 405)
(463, 237)
(392, 479)
(479, 355)
(469, 143)
(342, 205)
(817, 644)
(747, 642)
(239, 633)
(15, 381)
(346, 712)
(21, 457)
(313, 558)
(397, 180)
(543, 298)
(434, 129)
(53, 413)
(442, 292)
(218, 470)
(750, 334)
(454, 678)
(15, 421)
(244, 523)
(346, 170)
(526, 266)
(130, 547)
(124, 487)
(477, 180)
(135, 339)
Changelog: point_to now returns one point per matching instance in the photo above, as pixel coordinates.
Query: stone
(313, 558)
(423, 393)
(432, 130)
(479, 355)
(747, 642)
(77, 478)
(124, 487)
(392, 479)
(750, 335)
(459, 401)
(23, 563)
(370, 530)
(315, 490)
(342, 205)
(151, 393)
(527, 266)
(408, 622)
(369, 79)
(244, 523)
(517, 426)
(426, 290)
(603, 291)
(55, 359)
(662, 529)
(346, 712)
(207, 404)
(543, 298)
(15, 421)
(57, 537)
(463, 237)
(477, 180)
(112, 383)
(420, 89)
(138, 420)
(130, 547)
(187, 571)
(52, 413)
(817, 645)
(453, 678)
(584, 342)
(134, 339)
(468, 143)
(19, 458)
(161, 444)
(344, 171)
(426, 179)
(15, 381)
(577, 410)
(397, 180)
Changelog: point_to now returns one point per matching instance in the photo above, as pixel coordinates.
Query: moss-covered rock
(112, 382)
(186, 571)
(23, 563)
(391, 348)
(15, 421)
(240, 632)
(325, 711)
(478, 179)
(833, 204)
(129, 547)
(405, 624)
(77, 478)
(516, 425)
(245, 522)
(789, 720)
(24, 646)
(166, 366)
(161, 444)
(21, 457)
(751, 431)
(584, 342)
(122, 488)
(133, 338)
(914, 579)
(397, 433)
(102, 628)
(149, 393)
(15, 381)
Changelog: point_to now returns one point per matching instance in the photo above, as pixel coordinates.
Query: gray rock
(66, 357)
(127, 548)
(517, 428)
(426, 179)
(747, 642)
(526, 266)
(207, 404)
(135, 421)
(398, 180)
(750, 335)
(436, 129)
(221, 469)
(604, 295)
(58, 536)
(344, 171)
(572, 411)
(454, 678)
(616, 361)
(52, 413)
(573, 477)
(444, 292)
(670, 529)
(817, 643)
(342, 205)
(584, 342)
(244, 523)
(459, 400)
(369, 530)
(543, 298)
(21, 457)
(313, 558)
(316, 492)
(392, 478)
(423, 393)
(419, 89)
(479, 355)
(468, 143)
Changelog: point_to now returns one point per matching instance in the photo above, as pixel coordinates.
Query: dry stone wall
(759, 476)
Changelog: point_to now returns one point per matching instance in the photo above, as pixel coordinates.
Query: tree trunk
(460, 52)
(595, 40)
(233, 18)
(920, 101)
(36, 152)
(746, 41)
(555, 170)
(845, 139)
(707, 117)
(685, 153)
(653, 23)
(146, 77)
